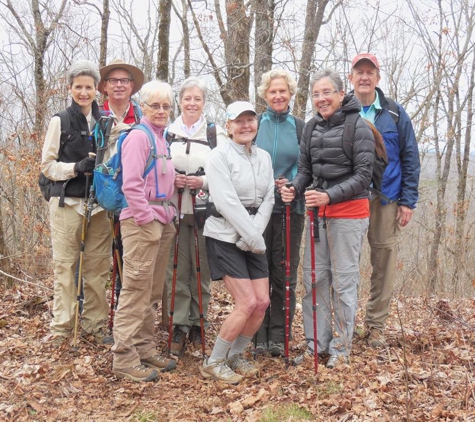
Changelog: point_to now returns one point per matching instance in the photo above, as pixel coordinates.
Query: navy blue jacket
(401, 177)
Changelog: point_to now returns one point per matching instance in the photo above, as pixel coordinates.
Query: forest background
(427, 52)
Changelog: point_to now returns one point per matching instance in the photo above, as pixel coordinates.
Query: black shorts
(227, 259)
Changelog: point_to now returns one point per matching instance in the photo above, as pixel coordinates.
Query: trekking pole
(287, 278)
(311, 215)
(175, 266)
(198, 265)
(88, 205)
(116, 269)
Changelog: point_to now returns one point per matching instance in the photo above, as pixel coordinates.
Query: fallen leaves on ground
(425, 374)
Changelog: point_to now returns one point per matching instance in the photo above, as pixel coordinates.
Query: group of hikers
(227, 204)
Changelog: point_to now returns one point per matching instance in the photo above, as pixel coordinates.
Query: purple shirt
(140, 193)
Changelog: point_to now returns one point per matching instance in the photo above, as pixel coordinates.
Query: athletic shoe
(159, 362)
(333, 360)
(260, 349)
(177, 347)
(376, 338)
(276, 349)
(139, 373)
(220, 371)
(242, 366)
(101, 337)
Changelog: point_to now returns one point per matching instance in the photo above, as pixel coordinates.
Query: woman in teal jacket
(279, 134)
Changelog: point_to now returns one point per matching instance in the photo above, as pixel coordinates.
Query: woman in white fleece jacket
(241, 185)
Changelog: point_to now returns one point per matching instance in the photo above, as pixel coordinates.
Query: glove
(86, 165)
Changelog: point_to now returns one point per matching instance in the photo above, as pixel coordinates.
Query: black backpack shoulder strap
(393, 110)
(211, 134)
(307, 131)
(349, 133)
(65, 122)
(299, 125)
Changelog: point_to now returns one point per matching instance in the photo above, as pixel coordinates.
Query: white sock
(239, 345)
(220, 350)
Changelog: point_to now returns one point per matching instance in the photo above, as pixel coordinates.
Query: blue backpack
(107, 182)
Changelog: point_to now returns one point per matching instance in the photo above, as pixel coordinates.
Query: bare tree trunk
(164, 40)
(237, 51)
(264, 40)
(313, 22)
(105, 16)
(37, 45)
(186, 36)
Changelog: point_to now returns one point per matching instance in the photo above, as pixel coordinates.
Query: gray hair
(192, 82)
(84, 68)
(331, 74)
(156, 88)
(267, 78)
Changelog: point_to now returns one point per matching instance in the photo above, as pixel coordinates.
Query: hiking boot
(260, 349)
(242, 366)
(159, 362)
(220, 371)
(308, 354)
(195, 339)
(57, 340)
(276, 349)
(177, 346)
(139, 373)
(333, 360)
(101, 337)
(376, 338)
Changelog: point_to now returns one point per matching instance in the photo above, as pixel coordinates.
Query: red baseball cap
(365, 56)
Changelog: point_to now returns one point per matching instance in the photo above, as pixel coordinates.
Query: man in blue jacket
(393, 209)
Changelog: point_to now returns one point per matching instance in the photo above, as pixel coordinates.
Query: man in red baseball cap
(392, 208)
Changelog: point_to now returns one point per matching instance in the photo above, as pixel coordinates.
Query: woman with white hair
(147, 232)
(279, 134)
(242, 196)
(191, 137)
(65, 161)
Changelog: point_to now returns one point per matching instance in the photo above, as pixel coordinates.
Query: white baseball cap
(235, 109)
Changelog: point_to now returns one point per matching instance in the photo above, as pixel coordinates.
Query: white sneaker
(220, 371)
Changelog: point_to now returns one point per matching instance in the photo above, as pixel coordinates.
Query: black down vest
(75, 144)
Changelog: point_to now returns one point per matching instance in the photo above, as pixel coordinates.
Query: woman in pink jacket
(147, 233)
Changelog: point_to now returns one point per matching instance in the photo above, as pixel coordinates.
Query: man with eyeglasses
(119, 81)
(394, 209)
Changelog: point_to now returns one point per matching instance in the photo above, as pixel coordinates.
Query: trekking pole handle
(91, 155)
(197, 173)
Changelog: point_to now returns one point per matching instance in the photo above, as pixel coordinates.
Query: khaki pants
(66, 233)
(146, 251)
(383, 239)
(186, 312)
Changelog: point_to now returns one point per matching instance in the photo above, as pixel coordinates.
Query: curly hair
(267, 78)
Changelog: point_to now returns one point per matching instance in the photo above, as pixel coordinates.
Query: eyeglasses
(324, 94)
(156, 107)
(115, 81)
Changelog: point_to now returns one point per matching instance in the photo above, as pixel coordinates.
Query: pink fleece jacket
(139, 191)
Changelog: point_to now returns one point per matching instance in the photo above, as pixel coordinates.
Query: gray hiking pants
(337, 258)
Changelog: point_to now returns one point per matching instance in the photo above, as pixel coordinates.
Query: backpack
(45, 183)
(381, 160)
(107, 181)
(211, 137)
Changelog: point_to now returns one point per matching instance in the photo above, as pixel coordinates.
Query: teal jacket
(279, 134)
